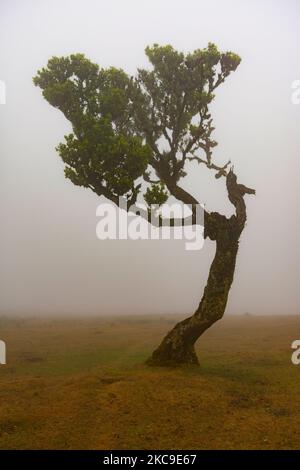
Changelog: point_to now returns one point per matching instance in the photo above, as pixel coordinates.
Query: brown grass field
(81, 384)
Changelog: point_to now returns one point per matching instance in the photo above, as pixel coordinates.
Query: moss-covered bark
(178, 347)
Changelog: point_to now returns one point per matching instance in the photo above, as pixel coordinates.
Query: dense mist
(51, 260)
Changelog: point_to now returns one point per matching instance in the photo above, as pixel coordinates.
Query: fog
(51, 259)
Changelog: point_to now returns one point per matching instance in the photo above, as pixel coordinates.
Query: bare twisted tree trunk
(178, 347)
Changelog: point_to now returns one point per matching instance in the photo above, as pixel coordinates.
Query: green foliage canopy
(125, 129)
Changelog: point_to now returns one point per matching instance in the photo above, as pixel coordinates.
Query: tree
(128, 129)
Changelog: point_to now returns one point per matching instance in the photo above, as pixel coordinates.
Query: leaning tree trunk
(178, 347)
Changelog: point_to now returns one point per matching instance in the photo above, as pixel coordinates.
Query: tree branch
(236, 193)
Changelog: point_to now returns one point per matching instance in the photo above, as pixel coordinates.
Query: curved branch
(147, 214)
(236, 193)
(221, 170)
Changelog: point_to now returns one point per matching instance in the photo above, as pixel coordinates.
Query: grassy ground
(82, 384)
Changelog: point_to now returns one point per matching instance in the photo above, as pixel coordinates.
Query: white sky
(51, 260)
